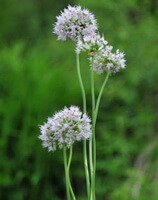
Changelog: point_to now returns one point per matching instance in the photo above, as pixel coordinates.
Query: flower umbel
(105, 60)
(91, 44)
(64, 128)
(75, 23)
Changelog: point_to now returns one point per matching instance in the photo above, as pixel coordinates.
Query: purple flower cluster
(64, 128)
(75, 23)
(105, 60)
(80, 25)
(91, 43)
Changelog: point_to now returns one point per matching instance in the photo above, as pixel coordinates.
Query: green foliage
(38, 77)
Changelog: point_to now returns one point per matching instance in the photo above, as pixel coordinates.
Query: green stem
(84, 142)
(68, 169)
(86, 168)
(81, 83)
(99, 96)
(94, 118)
(91, 167)
(93, 140)
(66, 174)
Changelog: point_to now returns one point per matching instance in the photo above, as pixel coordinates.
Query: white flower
(75, 23)
(91, 44)
(105, 60)
(101, 54)
(64, 128)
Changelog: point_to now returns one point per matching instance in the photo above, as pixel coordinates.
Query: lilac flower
(64, 128)
(75, 23)
(91, 44)
(105, 60)
(101, 54)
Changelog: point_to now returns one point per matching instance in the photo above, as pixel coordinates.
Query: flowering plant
(66, 127)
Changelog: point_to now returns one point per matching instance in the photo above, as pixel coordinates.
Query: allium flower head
(91, 44)
(105, 60)
(75, 23)
(64, 128)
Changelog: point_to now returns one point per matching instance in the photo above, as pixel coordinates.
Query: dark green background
(38, 77)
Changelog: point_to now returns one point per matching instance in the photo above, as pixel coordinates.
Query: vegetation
(38, 77)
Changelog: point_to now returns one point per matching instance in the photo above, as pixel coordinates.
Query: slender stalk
(66, 174)
(99, 96)
(86, 168)
(91, 167)
(68, 169)
(84, 110)
(93, 141)
(81, 83)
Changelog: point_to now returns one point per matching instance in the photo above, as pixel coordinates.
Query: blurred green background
(38, 77)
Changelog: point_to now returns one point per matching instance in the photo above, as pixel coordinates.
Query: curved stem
(81, 83)
(91, 167)
(66, 174)
(68, 169)
(86, 168)
(84, 110)
(93, 141)
(99, 96)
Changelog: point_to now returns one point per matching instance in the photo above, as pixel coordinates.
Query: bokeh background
(38, 77)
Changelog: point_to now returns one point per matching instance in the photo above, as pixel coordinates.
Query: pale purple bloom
(101, 54)
(64, 128)
(75, 23)
(105, 60)
(91, 44)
